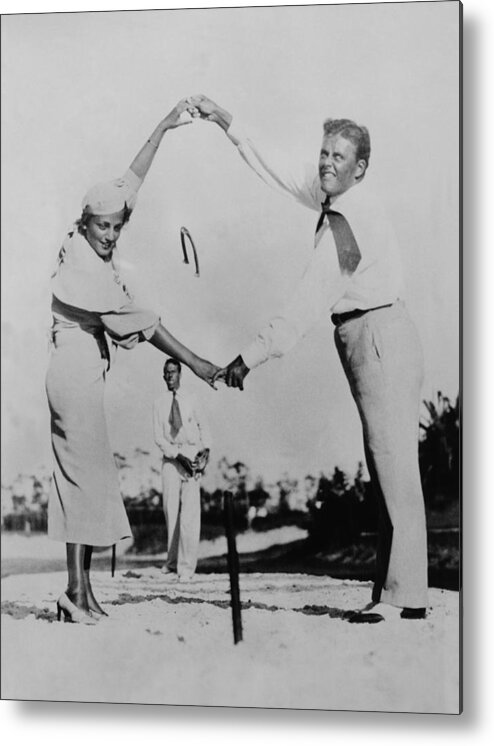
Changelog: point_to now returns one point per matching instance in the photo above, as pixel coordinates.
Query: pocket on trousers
(375, 340)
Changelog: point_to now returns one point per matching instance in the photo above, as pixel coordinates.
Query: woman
(90, 305)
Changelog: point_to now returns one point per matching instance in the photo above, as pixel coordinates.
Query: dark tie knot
(326, 206)
(348, 251)
(325, 211)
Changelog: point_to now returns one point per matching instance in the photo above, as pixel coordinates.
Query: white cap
(108, 197)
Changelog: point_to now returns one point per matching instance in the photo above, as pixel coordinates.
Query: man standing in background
(182, 434)
(354, 277)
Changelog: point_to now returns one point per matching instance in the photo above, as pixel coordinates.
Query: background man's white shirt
(193, 436)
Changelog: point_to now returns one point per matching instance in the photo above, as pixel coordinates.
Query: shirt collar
(84, 254)
(178, 392)
(347, 198)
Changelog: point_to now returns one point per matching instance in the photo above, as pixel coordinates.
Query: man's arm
(202, 456)
(202, 424)
(274, 168)
(318, 290)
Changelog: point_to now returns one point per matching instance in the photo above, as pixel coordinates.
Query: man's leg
(382, 358)
(190, 528)
(171, 505)
(384, 529)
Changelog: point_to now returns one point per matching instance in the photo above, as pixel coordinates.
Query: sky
(80, 95)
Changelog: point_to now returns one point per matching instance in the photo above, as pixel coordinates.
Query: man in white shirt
(354, 276)
(182, 434)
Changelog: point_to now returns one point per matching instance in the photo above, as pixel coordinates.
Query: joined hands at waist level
(234, 373)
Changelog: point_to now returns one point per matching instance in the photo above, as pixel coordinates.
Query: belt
(340, 318)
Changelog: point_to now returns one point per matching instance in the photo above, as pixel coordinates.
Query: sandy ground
(165, 643)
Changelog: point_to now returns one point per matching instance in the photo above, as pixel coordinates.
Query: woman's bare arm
(142, 162)
(167, 343)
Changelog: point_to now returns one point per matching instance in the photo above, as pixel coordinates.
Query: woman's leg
(93, 604)
(76, 589)
(74, 602)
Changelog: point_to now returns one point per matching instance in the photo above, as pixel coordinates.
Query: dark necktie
(175, 418)
(349, 254)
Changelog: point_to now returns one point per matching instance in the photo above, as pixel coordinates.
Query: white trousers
(182, 507)
(382, 358)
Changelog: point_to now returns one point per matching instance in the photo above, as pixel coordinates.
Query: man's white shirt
(323, 288)
(193, 436)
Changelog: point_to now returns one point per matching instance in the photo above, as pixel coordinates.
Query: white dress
(91, 308)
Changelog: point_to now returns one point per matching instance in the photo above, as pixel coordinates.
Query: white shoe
(385, 610)
(166, 571)
(186, 578)
(374, 613)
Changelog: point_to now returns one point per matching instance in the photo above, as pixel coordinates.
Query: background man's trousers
(182, 507)
(381, 354)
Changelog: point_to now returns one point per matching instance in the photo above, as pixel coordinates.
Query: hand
(234, 374)
(207, 109)
(205, 370)
(203, 455)
(186, 464)
(174, 118)
(201, 461)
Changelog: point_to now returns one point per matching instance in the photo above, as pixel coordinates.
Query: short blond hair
(357, 134)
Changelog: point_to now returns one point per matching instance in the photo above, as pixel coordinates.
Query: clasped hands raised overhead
(202, 107)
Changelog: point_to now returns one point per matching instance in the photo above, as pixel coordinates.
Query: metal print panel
(230, 338)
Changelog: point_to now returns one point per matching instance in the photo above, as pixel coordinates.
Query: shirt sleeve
(277, 169)
(130, 325)
(202, 424)
(170, 450)
(321, 286)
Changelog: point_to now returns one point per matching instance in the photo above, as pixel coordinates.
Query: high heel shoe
(99, 614)
(94, 607)
(71, 613)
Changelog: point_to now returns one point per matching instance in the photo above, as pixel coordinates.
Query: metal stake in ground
(233, 566)
(113, 559)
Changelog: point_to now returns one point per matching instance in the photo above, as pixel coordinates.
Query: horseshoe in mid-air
(184, 233)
